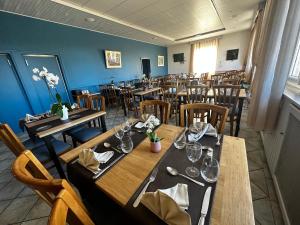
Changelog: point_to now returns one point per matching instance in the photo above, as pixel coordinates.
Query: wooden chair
(129, 100)
(213, 114)
(203, 76)
(10, 139)
(82, 101)
(228, 96)
(164, 109)
(67, 210)
(197, 93)
(170, 96)
(110, 94)
(97, 102)
(29, 170)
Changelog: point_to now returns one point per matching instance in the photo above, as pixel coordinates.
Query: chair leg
(74, 143)
(231, 125)
(64, 137)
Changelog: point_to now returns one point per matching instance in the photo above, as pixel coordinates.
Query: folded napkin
(208, 130)
(29, 118)
(169, 204)
(91, 160)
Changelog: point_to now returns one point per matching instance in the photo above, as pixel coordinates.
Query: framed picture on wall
(160, 60)
(113, 59)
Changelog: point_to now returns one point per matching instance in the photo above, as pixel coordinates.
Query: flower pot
(155, 146)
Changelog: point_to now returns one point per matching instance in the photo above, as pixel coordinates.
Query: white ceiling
(160, 22)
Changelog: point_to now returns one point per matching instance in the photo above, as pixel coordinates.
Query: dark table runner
(53, 123)
(80, 172)
(82, 179)
(178, 159)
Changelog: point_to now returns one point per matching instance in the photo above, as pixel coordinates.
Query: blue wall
(81, 52)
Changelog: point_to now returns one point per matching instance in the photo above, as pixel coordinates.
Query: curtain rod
(217, 37)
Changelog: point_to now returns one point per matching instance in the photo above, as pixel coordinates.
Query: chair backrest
(204, 76)
(10, 139)
(217, 79)
(214, 114)
(97, 102)
(29, 170)
(197, 93)
(82, 101)
(164, 109)
(227, 95)
(128, 97)
(67, 210)
(170, 93)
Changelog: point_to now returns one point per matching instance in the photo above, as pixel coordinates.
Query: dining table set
(198, 176)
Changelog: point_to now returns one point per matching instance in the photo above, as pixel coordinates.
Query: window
(295, 70)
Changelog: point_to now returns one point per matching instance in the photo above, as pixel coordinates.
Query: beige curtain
(252, 49)
(204, 56)
(265, 59)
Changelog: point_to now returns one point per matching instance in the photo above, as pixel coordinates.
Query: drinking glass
(210, 169)
(194, 152)
(119, 133)
(180, 141)
(127, 144)
(195, 130)
(127, 126)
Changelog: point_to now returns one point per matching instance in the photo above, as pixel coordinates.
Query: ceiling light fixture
(201, 34)
(90, 19)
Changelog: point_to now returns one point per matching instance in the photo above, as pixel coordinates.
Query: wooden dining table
(142, 93)
(45, 128)
(231, 204)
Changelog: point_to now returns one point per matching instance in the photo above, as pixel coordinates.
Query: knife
(205, 205)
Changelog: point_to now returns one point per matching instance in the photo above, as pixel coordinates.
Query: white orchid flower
(149, 131)
(35, 70)
(43, 73)
(45, 69)
(35, 78)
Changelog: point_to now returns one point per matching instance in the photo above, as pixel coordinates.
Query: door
(14, 104)
(52, 64)
(146, 67)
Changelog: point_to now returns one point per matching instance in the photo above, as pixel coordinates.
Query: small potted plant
(151, 123)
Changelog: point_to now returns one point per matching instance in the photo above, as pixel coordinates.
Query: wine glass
(127, 126)
(195, 130)
(119, 133)
(194, 152)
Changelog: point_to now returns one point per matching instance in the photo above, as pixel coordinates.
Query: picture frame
(113, 59)
(160, 60)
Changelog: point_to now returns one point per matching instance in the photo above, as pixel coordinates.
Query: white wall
(236, 40)
(177, 67)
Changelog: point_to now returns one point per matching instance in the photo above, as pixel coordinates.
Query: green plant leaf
(58, 98)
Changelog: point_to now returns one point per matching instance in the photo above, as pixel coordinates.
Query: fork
(151, 179)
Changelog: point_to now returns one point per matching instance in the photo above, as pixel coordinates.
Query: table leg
(238, 119)
(123, 104)
(103, 124)
(54, 157)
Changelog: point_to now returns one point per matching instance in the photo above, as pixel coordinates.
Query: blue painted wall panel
(81, 52)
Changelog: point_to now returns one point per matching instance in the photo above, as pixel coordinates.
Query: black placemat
(178, 159)
(83, 173)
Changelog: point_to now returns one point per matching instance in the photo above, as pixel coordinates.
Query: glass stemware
(180, 141)
(119, 133)
(210, 167)
(127, 126)
(127, 144)
(194, 152)
(196, 130)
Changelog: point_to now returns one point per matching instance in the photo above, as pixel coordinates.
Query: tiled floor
(19, 205)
